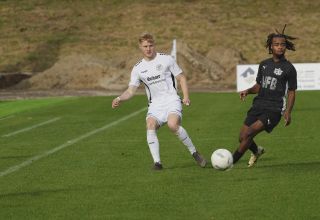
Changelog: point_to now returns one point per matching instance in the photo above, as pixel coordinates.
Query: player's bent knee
(243, 136)
(246, 136)
(151, 127)
(151, 124)
(249, 135)
(173, 127)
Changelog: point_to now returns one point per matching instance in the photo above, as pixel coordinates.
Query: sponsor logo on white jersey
(153, 77)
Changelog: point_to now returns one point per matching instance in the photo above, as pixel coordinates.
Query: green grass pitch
(94, 163)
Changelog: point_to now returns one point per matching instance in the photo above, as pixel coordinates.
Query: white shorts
(161, 112)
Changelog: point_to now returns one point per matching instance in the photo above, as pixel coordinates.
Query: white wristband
(118, 98)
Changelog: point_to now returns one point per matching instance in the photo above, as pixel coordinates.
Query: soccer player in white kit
(159, 72)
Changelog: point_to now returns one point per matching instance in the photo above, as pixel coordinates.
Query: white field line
(31, 127)
(6, 117)
(67, 144)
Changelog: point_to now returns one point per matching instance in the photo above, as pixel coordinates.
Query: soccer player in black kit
(276, 81)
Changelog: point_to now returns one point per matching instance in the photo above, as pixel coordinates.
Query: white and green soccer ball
(222, 159)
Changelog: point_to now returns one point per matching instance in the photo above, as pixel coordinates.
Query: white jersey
(158, 76)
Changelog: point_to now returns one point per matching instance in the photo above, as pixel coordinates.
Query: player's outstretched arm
(124, 96)
(184, 87)
(290, 104)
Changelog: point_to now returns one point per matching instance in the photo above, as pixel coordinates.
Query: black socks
(236, 156)
(253, 148)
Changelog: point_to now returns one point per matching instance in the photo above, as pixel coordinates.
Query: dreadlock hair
(289, 44)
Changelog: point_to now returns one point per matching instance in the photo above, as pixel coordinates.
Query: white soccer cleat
(254, 157)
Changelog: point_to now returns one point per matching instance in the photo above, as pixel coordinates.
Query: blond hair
(146, 37)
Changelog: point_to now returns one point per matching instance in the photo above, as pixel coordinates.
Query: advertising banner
(308, 76)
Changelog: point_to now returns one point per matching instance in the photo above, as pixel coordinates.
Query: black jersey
(275, 78)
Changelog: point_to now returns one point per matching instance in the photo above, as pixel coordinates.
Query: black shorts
(269, 119)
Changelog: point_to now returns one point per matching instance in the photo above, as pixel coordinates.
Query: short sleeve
(292, 78)
(135, 79)
(259, 75)
(173, 67)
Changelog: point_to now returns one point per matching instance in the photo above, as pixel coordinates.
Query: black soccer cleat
(157, 166)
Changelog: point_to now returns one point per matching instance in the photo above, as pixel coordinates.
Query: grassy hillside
(34, 33)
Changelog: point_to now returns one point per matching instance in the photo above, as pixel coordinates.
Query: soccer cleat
(254, 157)
(200, 160)
(157, 166)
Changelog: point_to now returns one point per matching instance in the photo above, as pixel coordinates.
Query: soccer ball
(221, 159)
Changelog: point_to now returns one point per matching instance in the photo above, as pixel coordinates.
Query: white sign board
(246, 76)
(308, 76)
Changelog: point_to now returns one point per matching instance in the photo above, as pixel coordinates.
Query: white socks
(153, 143)
(184, 137)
